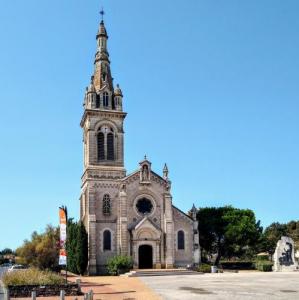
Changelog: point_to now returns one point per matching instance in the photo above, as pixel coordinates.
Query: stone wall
(182, 222)
(20, 291)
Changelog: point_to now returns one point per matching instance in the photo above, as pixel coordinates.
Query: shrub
(32, 277)
(204, 268)
(263, 257)
(264, 265)
(119, 264)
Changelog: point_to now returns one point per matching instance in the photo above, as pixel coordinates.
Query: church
(126, 214)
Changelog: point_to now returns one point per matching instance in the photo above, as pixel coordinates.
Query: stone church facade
(126, 214)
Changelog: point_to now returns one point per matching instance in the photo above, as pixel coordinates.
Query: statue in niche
(145, 173)
(286, 255)
(123, 188)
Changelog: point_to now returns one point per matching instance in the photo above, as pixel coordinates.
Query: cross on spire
(102, 13)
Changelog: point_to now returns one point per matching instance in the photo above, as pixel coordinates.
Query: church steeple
(103, 116)
(104, 97)
(102, 72)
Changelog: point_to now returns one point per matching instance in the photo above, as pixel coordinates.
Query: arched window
(98, 101)
(107, 240)
(101, 149)
(106, 205)
(110, 146)
(181, 240)
(105, 99)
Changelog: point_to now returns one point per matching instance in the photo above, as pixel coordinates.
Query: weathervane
(102, 13)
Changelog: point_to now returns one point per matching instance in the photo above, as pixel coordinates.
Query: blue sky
(210, 87)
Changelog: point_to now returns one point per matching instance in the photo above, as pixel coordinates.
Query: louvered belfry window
(98, 101)
(181, 240)
(105, 99)
(106, 205)
(107, 240)
(101, 146)
(110, 146)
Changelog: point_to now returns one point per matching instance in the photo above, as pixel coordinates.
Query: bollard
(7, 296)
(78, 281)
(33, 295)
(62, 294)
(90, 295)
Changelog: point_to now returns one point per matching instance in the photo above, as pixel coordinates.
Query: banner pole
(66, 216)
(66, 272)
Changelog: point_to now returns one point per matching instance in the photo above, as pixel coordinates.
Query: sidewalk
(110, 288)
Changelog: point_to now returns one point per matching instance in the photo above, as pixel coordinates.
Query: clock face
(144, 206)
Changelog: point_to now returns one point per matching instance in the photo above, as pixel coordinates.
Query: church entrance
(145, 253)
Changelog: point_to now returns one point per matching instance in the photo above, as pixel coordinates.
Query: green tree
(76, 247)
(81, 249)
(293, 230)
(227, 231)
(271, 235)
(71, 244)
(42, 250)
(6, 251)
(242, 232)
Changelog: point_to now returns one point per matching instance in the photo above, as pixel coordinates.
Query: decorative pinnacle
(193, 208)
(145, 157)
(102, 14)
(165, 171)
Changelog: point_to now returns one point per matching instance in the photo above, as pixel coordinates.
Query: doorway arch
(145, 255)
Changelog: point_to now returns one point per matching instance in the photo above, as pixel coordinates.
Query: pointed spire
(194, 212)
(165, 171)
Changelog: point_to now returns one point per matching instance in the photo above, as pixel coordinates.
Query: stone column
(92, 238)
(92, 251)
(123, 223)
(169, 230)
(158, 256)
(196, 246)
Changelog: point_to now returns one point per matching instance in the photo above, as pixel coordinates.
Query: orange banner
(62, 227)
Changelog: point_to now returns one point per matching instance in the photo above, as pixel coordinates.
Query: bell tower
(103, 156)
(103, 117)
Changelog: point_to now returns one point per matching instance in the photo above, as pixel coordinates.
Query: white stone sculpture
(284, 256)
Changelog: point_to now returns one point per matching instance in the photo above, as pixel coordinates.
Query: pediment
(146, 222)
(154, 178)
(145, 229)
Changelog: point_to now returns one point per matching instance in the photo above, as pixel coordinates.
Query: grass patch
(32, 277)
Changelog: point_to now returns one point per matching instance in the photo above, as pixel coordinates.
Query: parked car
(16, 268)
(6, 265)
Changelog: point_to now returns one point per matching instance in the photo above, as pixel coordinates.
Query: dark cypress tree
(71, 245)
(81, 249)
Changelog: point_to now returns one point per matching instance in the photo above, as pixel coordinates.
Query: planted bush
(264, 265)
(32, 277)
(119, 264)
(204, 268)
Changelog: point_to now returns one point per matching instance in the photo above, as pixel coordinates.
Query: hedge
(237, 265)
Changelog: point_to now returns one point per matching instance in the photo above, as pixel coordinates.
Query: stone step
(162, 272)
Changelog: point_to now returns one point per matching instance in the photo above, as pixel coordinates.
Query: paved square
(243, 285)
